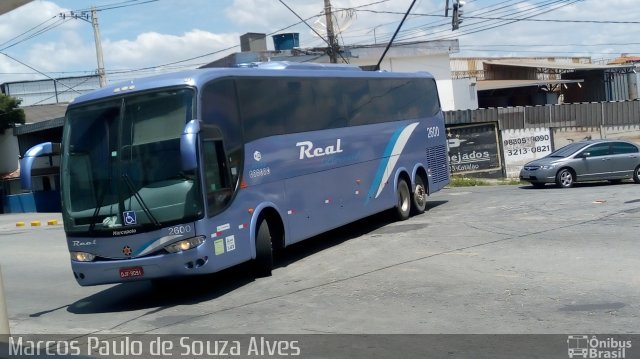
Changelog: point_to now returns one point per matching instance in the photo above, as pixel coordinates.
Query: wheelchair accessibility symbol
(129, 218)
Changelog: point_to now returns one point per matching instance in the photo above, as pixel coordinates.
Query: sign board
(523, 145)
(473, 148)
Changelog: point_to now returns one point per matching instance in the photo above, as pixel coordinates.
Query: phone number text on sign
(537, 145)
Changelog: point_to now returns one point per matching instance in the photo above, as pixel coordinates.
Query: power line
(40, 72)
(493, 26)
(32, 35)
(119, 5)
(484, 23)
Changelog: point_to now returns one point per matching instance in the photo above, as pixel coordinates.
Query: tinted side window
(382, 100)
(329, 105)
(275, 106)
(601, 149)
(219, 105)
(263, 104)
(430, 100)
(622, 147)
(313, 104)
(220, 108)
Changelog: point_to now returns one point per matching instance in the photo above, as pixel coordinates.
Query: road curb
(37, 223)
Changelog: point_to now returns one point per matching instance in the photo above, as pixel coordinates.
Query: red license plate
(131, 272)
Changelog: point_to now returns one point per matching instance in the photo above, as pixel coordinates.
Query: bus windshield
(122, 164)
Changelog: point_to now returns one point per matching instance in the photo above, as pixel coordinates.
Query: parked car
(591, 160)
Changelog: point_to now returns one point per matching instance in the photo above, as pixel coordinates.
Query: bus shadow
(332, 238)
(192, 290)
(146, 294)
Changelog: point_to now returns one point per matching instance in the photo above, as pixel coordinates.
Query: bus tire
(263, 264)
(403, 206)
(419, 197)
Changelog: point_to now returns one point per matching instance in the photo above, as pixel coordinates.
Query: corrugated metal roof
(555, 65)
(38, 126)
(41, 113)
(8, 5)
(503, 84)
(625, 60)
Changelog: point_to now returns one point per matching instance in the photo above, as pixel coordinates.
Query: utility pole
(333, 49)
(96, 36)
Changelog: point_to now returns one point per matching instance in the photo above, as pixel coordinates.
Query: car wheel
(564, 178)
(403, 207)
(419, 197)
(636, 175)
(538, 185)
(263, 264)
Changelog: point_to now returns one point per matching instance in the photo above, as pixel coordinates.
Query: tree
(10, 114)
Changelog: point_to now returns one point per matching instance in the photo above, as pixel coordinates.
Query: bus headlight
(184, 245)
(82, 256)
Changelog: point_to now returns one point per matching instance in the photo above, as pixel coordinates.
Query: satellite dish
(342, 20)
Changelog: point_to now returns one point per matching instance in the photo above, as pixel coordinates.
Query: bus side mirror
(188, 145)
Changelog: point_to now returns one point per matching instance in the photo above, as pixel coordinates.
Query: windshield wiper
(96, 212)
(135, 194)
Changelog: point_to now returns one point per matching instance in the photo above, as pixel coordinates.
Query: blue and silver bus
(196, 171)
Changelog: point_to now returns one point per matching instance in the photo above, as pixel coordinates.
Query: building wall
(9, 152)
(465, 94)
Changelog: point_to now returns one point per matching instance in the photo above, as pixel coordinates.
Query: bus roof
(198, 77)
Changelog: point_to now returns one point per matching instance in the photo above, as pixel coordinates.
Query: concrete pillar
(4, 317)
(632, 80)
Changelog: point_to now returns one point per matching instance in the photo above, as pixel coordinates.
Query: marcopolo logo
(581, 346)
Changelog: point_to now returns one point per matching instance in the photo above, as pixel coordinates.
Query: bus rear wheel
(403, 207)
(419, 197)
(263, 264)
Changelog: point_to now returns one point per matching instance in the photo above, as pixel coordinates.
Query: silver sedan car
(591, 160)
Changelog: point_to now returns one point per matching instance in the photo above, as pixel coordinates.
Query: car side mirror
(585, 154)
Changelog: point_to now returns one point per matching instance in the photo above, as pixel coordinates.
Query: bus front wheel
(263, 263)
(403, 207)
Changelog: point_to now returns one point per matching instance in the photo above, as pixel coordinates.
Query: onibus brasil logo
(581, 346)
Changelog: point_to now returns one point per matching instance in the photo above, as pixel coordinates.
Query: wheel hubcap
(566, 178)
(420, 195)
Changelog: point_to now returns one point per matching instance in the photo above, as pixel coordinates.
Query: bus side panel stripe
(391, 155)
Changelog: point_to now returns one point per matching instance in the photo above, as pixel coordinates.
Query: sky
(142, 37)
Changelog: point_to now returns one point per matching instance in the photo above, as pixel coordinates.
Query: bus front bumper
(190, 262)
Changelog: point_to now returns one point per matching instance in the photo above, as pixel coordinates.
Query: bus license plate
(131, 272)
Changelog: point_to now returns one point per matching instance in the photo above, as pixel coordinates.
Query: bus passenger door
(218, 184)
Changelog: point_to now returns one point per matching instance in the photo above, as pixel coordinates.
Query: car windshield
(568, 150)
(122, 163)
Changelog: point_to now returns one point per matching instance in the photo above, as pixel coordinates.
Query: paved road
(502, 259)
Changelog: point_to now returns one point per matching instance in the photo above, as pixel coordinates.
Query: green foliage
(10, 114)
(462, 181)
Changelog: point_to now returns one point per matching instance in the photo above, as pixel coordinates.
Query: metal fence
(567, 115)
